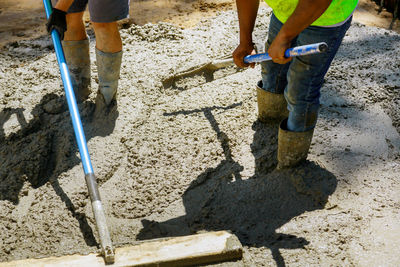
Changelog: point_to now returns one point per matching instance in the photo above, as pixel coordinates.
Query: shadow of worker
(253, 209)
(45, 147)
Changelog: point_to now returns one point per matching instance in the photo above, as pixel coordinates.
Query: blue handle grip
(291, 52)
(69, 92)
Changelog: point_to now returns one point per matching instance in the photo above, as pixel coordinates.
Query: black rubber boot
(78, 61)
(292, 146)
(108, 68)
(271, 107)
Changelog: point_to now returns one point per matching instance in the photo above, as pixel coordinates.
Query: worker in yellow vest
(289, 89)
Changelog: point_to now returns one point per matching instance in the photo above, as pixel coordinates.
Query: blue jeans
(301, 79)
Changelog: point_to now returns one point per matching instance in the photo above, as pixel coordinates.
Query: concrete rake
(207, 69)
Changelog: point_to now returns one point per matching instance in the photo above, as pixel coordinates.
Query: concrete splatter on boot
(292, 146)
(271, 107)
(108, 68)
(78, 61)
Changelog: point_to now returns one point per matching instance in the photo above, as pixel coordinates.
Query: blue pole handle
(291, 52)
(69, 93)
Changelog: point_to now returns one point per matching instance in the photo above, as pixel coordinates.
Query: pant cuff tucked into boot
(272, 107)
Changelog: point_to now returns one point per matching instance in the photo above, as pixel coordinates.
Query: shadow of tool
(228, 164)
(45, 147)
(253, 209)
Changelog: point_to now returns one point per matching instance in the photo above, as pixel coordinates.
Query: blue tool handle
(69, 92)
(291, 52)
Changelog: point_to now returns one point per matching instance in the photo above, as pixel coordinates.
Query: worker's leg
(76, 50)
(272, 105)
(104, 15)
(108, 39)
(305, 77)
(75, 27)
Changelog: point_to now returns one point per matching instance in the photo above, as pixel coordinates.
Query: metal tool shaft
(291, 52)
(99, 214)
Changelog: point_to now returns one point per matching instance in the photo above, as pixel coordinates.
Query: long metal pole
(99, 215)
(291, 52)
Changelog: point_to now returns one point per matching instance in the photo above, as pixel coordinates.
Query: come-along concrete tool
(208, 68)
(175, 251)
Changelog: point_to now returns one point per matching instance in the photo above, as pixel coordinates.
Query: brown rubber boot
(292, 146)
(108, 68)
(78, 62)
(271, 107)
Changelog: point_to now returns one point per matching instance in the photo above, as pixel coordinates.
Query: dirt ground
(190, 157)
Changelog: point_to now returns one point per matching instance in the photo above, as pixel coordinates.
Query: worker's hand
(240, 52)
(277, 50)
(57, 21)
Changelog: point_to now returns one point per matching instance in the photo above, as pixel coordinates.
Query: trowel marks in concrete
(192, 158)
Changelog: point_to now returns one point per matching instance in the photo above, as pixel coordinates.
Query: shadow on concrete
(45, 147)
(253, 209)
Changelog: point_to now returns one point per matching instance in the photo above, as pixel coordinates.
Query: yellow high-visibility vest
(338, 11)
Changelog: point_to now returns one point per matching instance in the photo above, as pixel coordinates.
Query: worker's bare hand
(240, 52)
(277, 50)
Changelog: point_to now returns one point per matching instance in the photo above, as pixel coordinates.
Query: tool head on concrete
(206, 69)
(192, 250)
